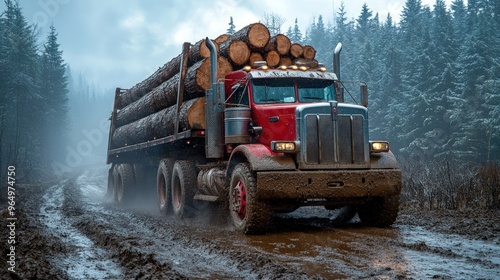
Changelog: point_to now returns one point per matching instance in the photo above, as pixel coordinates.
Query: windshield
(273, 91)
(282, 90)
(316, 90)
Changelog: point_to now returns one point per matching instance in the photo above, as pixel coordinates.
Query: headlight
(284, 147)
(379, 146)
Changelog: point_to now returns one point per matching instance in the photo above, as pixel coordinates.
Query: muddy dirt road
(69, 230)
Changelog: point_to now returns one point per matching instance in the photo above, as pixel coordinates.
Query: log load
(161, 124)
(147, 111)
(197, 81)
(197, 52)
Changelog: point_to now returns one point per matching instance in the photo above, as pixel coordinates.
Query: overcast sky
(116, 43)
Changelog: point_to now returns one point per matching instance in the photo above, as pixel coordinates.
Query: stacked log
(197, 52)
(147, 111)
(161, 124)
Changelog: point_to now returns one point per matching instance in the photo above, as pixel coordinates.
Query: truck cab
(299, 144)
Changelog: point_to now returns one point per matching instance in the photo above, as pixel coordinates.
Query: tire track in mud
(147, 245)
(83, 260)
(305, 244)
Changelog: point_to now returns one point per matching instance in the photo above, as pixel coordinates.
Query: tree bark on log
(161, 124)
(196, 83)
(197, 52)
(272, 58)
(296, 50)
(280, 43)
(222, 38)
(309, 52)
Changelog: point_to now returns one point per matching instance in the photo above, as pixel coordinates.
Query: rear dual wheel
(124, 183)
(183, 188)
(176, 185)
(163, 185)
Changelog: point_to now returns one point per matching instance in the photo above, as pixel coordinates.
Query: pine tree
(344, 33)
(296, 35)
(55, 94)
(20, 90)
(232, 28)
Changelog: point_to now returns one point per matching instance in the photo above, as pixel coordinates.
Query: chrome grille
(330, 141)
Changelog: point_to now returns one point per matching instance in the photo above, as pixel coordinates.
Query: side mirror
(364, 95)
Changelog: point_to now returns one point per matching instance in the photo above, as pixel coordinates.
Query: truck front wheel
(183, 187)
(124, 182)
(248, 214)
(163, 181)
(380, 212)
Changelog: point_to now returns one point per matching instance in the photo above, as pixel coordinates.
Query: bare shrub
(451, 185)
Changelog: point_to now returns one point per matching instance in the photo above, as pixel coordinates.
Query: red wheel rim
(240, 200)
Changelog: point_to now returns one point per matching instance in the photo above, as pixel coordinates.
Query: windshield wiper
(313, 97)
(270, 100)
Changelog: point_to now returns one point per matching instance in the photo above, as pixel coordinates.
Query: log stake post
(112, 127)
(180, 90)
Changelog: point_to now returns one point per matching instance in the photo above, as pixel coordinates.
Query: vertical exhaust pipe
(214, 133)
(336, 60)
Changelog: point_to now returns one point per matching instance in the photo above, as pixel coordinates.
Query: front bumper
(331, 185)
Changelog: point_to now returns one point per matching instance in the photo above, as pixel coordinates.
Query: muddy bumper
(328, 184)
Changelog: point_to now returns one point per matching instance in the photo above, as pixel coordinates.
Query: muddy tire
(248, 214)
(110, 190)
(380, 212)
(183, 186)
(345, 214)
(163, 189)
(124, 182)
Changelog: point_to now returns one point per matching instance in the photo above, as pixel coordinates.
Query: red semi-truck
(274, 140)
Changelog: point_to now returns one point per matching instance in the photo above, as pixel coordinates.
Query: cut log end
(309, 52)
(205, 51)
(282, 43)
(196, 114)
(285, 61)
(239, 53)
(258, 35)
(203, 72)
(255, 56)
(273, 58)
(296, 50)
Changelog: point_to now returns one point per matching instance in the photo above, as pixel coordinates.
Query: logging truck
(259, 140)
